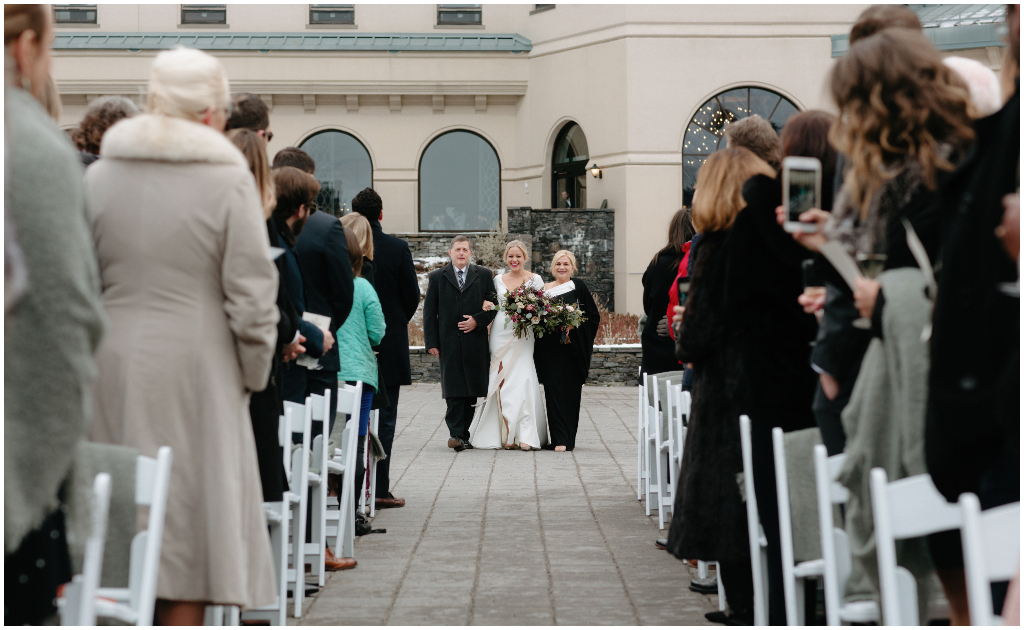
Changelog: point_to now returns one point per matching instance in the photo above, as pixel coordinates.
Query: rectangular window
(74, 13)
(543, 7)
(459, 15)
(204, 14)
(332, 14)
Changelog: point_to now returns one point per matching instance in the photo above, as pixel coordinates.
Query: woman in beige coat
(190, 290)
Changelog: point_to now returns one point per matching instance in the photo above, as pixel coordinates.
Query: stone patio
(513, 538)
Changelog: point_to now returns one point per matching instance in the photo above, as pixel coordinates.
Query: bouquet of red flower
(565, 317)
(527, 309)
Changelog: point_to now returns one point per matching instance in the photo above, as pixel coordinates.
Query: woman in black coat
(658, 348)
(749, 342)
(562, 368)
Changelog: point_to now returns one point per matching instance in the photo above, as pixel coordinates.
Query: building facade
(455, 112)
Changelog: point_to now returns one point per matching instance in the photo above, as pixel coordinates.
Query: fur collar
(167, 139)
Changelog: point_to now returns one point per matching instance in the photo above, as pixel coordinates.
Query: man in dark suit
(455, 330)
(399, 292)
(295, 193)
(322, 252)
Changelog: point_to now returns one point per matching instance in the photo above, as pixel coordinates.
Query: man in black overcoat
(455, 331)
(399, 292)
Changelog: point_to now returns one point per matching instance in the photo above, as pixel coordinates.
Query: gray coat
(465, 357)
(54, 330)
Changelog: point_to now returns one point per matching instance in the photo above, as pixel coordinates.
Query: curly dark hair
(368, 204)
(100, 116)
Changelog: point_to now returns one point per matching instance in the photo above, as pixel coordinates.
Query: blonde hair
(521, 245)
(361, 228)
(719, 196)
(184, 83)
(567, 254)
(254, 148)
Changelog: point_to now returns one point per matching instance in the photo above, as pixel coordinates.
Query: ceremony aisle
(506, 537)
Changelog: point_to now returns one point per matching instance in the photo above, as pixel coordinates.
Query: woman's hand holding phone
(811, 240)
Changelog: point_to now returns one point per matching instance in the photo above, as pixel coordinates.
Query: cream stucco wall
(630, 75)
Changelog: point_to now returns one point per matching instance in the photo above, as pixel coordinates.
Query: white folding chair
(991, 542)
(221, 615)
(641, 413)
(660, 453)
(341, 523)
(296, 498)
(371, 466)
(677, 431)
(134, 605)
(835, 544)
(278, 518)
(793, 574)
(905, 508)
(77, 604)
(755, 534)
(316, 551)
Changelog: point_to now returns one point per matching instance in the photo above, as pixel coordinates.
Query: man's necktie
(462, 279)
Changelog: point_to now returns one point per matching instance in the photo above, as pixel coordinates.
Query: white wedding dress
(513, 411)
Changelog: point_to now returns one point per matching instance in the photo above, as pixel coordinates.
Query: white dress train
(513, 411)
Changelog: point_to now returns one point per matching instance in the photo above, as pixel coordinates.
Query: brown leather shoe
(338, 564)
(455, 443)
(390, 502)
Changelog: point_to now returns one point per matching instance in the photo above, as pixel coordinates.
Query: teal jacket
(363, 328)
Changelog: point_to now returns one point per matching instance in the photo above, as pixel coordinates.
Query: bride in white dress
(513, 413)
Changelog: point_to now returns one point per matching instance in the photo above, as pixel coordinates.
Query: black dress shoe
(362, 525)
(707, 586)
(466, 445)
(717, 616)
(661, 543)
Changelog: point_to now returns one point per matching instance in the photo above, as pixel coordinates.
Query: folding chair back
(641, 473)
(315, 551)
(755, 535)
(343, 462)
(78, 603)
(991, 542)
(905, 508)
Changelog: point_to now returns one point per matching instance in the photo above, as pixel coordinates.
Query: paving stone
(512, 538)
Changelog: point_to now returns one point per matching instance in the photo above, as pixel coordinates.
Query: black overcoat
(399, 292)
(658, 352)
(322, 251)
(465, 357)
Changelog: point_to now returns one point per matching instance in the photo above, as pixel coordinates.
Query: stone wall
(588, 233)
(429, 244)
(610, 365)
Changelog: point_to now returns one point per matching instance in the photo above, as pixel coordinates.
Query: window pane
(699, 142)
(460, 184)
(735, 103)
(343, 168)
(763, 102)
(571, 145)
(74, 13)
(690, 167)
(204, 14)
(782, 114)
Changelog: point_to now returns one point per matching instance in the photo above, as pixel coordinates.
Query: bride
(513, 412)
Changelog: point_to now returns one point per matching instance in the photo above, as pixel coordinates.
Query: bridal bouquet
(527, 309)
(565, 317)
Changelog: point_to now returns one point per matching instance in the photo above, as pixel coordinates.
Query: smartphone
(683, 285)
(801, 191)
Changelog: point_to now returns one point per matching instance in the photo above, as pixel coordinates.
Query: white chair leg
(801, 584)
(722, 602)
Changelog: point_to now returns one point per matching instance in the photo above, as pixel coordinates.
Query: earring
(26, 84)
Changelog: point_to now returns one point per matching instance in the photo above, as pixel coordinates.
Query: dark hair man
(399, 294)
(293, 156)
(248, 111)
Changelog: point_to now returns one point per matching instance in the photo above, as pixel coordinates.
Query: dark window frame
(476, 9)
(419, 182)
(327, 8)
(57, 8)
(566, 170)
(717, 99)
(187, 9)
(369, 158)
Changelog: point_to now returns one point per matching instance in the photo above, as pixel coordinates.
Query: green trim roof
(265, 42)
(946, 15)
(951, 38)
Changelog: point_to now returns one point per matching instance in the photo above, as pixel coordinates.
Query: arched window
(705, 131)
(343, 167)
(460, 184)
(569, 168)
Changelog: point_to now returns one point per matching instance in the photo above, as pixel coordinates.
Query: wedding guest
(186, 275)
(756, 135)
(293, 156)
(363, 329)
(46, 387)
(562, 366)
(658, 349)
(248, 111)
(101, 115)
(723, 307)
(267, 406)
(975, 358)
(322, 252)
(399, 293)
(364, 234)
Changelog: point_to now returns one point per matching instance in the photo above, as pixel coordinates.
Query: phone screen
(802, 193)
(683, 286)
